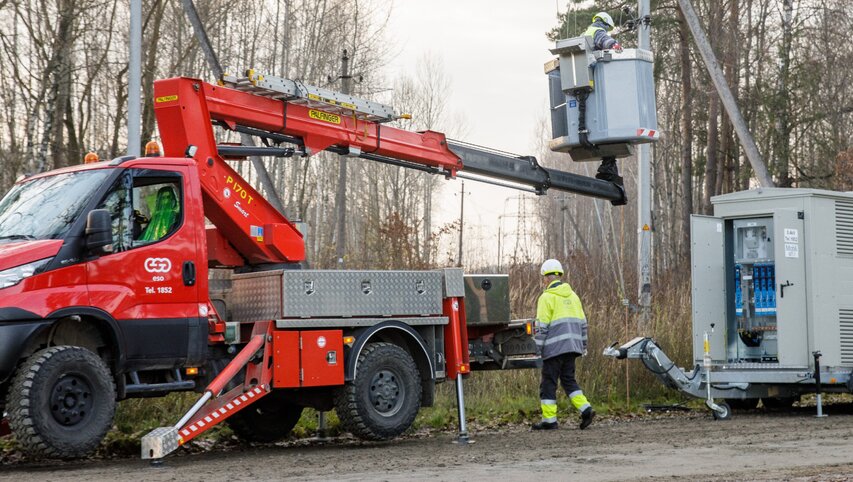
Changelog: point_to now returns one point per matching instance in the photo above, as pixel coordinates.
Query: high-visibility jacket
(598, 33)
(561, 325)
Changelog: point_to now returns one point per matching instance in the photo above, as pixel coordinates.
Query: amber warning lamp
(152, 149)
(90, 157)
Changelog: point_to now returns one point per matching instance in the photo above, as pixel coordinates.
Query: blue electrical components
(738, 292)
(764, 284)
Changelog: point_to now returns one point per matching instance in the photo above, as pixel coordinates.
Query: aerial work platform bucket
(602, 102)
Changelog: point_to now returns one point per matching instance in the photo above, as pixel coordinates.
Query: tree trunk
(686, 134)
(782, 124)
(713, 119)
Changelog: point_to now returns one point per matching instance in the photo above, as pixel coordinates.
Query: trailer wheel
(270, 419)
(742, 403)
(725, 414)
(61, 402)
(385, 396)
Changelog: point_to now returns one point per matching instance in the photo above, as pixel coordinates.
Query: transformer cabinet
(774, 270)
(772, 283)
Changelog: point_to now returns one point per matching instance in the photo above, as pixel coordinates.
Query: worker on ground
(561, 336)
(599, 31)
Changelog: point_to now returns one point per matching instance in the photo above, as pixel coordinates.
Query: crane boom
(315, 120)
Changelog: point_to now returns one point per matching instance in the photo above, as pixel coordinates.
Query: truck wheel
(270, 419)
(61, 402)
(385, 396)
(742, 403)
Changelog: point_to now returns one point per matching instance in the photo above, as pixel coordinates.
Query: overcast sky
(493, 52)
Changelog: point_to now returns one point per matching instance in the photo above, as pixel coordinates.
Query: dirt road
(751, 446)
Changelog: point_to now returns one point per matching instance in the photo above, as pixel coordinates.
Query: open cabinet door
(708, 263)
(790, 249)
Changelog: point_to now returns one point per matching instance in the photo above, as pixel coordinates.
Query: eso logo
(158, 265)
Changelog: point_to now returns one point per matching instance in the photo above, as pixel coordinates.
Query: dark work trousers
(562, 368)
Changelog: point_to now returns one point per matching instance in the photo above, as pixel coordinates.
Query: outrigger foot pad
(159, 443)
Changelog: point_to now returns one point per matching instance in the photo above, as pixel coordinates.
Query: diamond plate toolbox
(334, 293)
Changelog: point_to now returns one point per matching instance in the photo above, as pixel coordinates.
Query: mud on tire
(385, 396)
(270, 419)
(61, 402)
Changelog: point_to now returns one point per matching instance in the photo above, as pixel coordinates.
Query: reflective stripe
(578, 400)
(550, 419)
(549, 412)
(548, 402)
(578, 321)
(566, 336)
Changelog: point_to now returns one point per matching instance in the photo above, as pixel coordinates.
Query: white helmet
(605, 17)
(551, 266)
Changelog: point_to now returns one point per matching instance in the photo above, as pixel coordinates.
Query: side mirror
(99, 231)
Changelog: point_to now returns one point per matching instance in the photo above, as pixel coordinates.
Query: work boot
(545, 425)
(586, 417)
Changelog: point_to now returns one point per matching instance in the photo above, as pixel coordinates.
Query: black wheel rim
(386, 393)
(71, 400)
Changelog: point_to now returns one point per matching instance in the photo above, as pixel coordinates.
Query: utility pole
(341, 195)
(644, 188)
(461, 220)
(719, 80)
(215, 67)
(500, 237)
(134, 81)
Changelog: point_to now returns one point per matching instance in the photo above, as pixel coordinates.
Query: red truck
(139, 277)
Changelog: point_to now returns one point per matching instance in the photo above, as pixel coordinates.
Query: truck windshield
(46, 207)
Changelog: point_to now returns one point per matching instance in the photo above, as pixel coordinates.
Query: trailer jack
(656, 361)
(256, 356)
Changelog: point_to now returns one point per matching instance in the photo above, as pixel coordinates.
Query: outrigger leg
(255, 357)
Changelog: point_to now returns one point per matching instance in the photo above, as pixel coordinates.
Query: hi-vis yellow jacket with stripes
(560, 322)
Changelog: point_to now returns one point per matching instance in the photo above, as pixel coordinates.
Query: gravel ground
(753, 445)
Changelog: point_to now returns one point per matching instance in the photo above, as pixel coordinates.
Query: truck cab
(108, 258)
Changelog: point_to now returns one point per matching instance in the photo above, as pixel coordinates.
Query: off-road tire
(385, 396)
(61, 402)
(270, 419)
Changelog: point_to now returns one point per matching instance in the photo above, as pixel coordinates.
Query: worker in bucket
(602, 24)
(561, 336)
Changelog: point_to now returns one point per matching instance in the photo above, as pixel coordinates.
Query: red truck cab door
(149, 282)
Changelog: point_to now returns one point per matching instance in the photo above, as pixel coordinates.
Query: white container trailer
(772, 287)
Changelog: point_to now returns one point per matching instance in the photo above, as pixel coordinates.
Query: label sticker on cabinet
(792, 250)
(792, 236)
